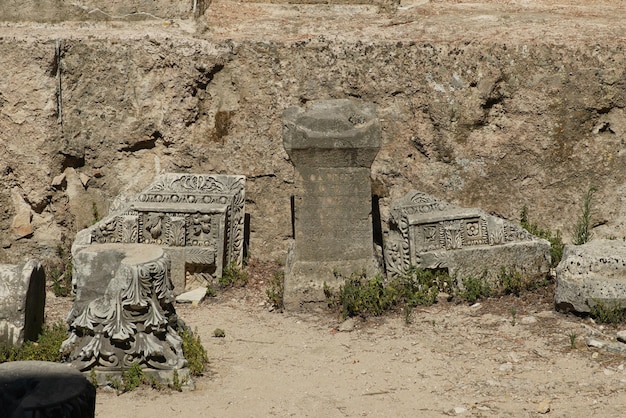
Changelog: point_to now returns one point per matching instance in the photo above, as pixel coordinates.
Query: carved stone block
(429, 233)
(197, 218)
(22, 302)
(123, 312)
(332, 145)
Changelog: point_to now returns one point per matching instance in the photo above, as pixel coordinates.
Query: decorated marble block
(197, 218)
(430, 233)
(123, 313)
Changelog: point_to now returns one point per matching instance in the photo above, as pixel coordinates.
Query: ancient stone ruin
(429, 233)
(123, 313)
(198, 219)
(590, 274)
(332, 144)
(22, 302)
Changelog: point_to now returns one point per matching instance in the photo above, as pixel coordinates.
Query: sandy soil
(506, 356)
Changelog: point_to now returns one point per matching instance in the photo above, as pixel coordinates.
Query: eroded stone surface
(123, 312)
(197, 218)
(332, 145)
(591, 273)
(22, 302)
(429, 233)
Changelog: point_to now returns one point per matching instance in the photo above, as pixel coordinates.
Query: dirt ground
(505, 356)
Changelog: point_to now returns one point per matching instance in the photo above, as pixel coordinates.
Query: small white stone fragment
(543, 407)
(347, 325)
(528, 320)
(459, 410)
(594, 342)
(194, 296)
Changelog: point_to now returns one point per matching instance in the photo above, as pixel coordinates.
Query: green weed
(475, 288)
(233, 275)
(176, 384)
(46, 348)
(133, 377)
(582, 232)
(513, 316)
(372, 297)
(60, 272)
(555, 239)
(194, 352)
(275, 290)
(608, 313)
(210, 291)
(572, 340)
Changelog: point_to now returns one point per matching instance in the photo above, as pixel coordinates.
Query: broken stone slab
(22, 302)
(591, 273)
(198, 219)
(123, 313)
(614, 347)
(433, 234)
(332, 144)
(193, 296)
(45, 389)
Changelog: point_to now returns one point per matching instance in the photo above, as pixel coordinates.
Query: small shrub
(176, 384)
(572, 340)
(210, 291)
(359, 296)
(60, 273)
(154, 383)
(511, 282)
(194, 352)
(219, 333)
(232, 276)
(276, 289)
(116, 383)
(475, 288)
(46, 348)
(372, 297)
(555, 239)
(133, 377)
(608, 313)
(93, 379)
(582, 232)
(422, 286)
(95, 213)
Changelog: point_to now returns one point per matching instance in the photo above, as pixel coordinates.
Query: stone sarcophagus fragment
(198, 219)
(124, 313)
(429, 233)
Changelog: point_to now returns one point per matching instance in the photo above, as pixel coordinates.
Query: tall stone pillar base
(332, 144)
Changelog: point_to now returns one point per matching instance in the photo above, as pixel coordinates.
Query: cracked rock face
(485, 105)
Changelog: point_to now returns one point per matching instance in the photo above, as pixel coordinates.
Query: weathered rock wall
(489, 123)
(64, 10)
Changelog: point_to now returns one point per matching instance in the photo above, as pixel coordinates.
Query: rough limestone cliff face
(498, 106)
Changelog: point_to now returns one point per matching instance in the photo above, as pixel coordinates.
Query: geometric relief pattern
(449, 234)
(421, 223)
(182, 210)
